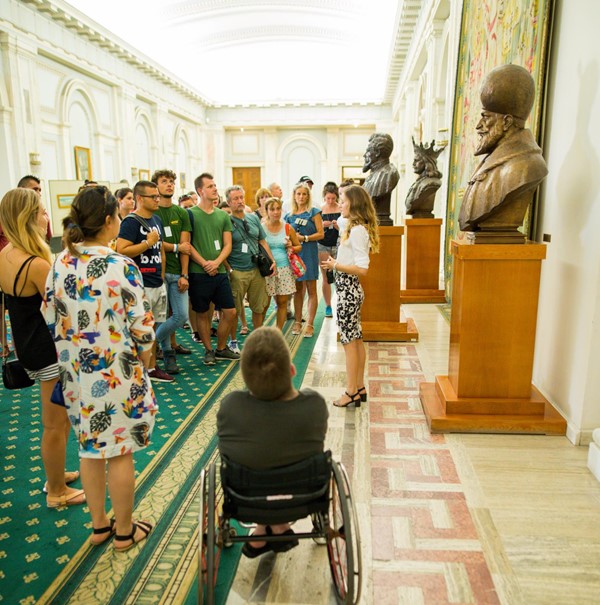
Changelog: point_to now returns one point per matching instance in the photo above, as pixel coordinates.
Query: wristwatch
(306, 239)
(185, 276)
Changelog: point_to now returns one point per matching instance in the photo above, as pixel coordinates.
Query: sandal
(144, 526)
(77, 497)
(252, 551)
(310, 331)
(297, 328)
(362, 391)
(355, 399)
(70, 477)
(244, 330)
(109, 529)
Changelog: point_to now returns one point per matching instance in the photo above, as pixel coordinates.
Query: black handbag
(14, 375)
(263, 262)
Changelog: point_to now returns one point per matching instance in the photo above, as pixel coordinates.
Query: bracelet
(175, 248)
(147, 244)
(185, 276)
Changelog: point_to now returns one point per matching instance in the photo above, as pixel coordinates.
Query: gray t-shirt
(266, 434)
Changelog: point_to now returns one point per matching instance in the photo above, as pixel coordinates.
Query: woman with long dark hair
(359, 237)
(25, 262)
(102, 324)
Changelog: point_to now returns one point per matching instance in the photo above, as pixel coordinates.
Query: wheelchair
(317, 487)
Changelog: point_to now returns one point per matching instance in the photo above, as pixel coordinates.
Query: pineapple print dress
(95, 306)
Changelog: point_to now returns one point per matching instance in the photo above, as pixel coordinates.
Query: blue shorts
(205, 289)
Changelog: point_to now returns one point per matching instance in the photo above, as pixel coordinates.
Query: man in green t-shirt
(209, 282)
(176, 243)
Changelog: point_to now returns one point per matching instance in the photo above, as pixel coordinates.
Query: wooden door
(249, 179)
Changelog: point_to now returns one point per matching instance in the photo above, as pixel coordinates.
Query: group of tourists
(134, 269)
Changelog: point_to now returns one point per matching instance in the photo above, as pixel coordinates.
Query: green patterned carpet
(44, 555)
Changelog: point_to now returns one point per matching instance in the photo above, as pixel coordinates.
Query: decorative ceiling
(265, 52)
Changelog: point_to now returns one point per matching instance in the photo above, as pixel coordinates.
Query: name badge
(245, 248)
(168, 231)
(217, 244)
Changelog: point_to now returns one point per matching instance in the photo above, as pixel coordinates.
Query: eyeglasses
(154, 197)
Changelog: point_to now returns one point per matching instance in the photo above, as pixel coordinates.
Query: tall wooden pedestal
(492, 336)
(422, 261)
(381, 316)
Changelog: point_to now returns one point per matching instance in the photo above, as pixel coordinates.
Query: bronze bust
(502, 187)
(421, 195)
(383, 177)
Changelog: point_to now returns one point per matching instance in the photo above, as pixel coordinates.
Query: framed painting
(83, 164)
(182, 180)
(65, 200)
(143, 174)
(493, 33)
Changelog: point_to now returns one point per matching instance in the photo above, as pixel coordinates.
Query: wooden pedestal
(381, 315)
(422, 261)
(492, 336)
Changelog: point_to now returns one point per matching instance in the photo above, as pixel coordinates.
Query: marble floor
(478, 519)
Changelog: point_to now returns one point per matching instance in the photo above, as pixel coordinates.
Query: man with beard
(176, 243)
(500, 190)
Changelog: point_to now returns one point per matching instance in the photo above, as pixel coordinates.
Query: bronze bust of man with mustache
(502, 187)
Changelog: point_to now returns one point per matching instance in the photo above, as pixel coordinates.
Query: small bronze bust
(502, 187)
(421, 195)
(383, 177)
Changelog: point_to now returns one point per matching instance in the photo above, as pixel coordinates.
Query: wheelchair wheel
(343, 539)
(209, 549)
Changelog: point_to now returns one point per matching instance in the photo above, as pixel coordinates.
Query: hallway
(476, 519)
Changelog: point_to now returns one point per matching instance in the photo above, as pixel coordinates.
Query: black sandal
(110, 529)
(362, 391)
(143, 525)
(355, 399)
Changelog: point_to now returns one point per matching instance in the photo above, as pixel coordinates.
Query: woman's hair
(330, 187)
(88, 215)
(301, 186)
(261, 193)
(19, 211)
(265, 364)
(362, 212)
(272, 201)
(121, 193)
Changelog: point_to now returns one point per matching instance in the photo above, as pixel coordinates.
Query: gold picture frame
(65, 200)
(143, 174)
(83, 164)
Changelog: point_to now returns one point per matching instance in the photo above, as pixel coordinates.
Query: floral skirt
(283, 283)
(350, 297)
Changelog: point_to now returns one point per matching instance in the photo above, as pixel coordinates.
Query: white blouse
(355, 250)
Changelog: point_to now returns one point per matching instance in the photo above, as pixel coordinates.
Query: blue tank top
(276, 242)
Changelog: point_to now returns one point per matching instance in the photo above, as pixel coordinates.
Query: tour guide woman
(358, 236)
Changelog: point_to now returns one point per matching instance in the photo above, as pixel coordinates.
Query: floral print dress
(95, 307)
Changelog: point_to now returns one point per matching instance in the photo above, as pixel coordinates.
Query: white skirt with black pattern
(350, 297)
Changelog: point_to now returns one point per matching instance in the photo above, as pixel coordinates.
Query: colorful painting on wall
(493, 33)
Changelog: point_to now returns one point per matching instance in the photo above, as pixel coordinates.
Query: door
(249, 179)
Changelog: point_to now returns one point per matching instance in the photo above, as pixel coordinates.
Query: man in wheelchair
(271, 424)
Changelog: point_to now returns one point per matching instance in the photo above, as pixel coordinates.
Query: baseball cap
(306, 179)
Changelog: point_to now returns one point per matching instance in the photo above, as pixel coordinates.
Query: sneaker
(209, 358)
(159, 353)
(328, 311)
(290, 315)
(181, 350)
(159, 376)
(171, 366)
(196, 337)
(227, 354)
(213, 332)
(234, 346)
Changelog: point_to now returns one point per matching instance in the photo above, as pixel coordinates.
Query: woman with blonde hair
(359, 236)
(261, 196)
(25, 262)
(281, 237)
(308, 224)
(102, 324)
